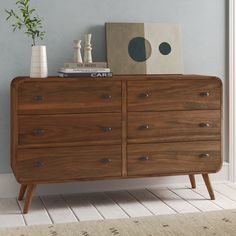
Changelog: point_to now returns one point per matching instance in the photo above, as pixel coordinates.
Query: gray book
(85, 65)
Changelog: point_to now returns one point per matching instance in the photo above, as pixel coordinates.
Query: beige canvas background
(164, 64)
(118, 38)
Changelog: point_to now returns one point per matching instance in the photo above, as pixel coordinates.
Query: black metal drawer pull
(38, 164)
(144, 127)
(144, 158)
(38, 98)
(106, 97)
(106, 129)
(204, 155)
(204, 94)
(38, 131)
(204, 125)
(145, 95)
(106, 161)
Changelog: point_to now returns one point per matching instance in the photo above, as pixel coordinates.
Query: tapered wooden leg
(192, 180)
(30, 191)
(208, 185)
(22, 192)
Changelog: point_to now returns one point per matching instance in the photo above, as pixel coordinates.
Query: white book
(65, 70)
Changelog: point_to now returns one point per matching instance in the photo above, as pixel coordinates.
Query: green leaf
(26, 17)
(32, 11)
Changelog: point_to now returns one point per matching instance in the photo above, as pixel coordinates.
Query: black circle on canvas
(139, 49)
(165, 48)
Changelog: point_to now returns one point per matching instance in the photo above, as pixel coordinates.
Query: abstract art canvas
(144, 48)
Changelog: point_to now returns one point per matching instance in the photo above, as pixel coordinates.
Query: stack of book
(94, 70)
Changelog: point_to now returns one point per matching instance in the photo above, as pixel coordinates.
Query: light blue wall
(203, 23)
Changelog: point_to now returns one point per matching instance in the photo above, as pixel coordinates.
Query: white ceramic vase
(39, 66)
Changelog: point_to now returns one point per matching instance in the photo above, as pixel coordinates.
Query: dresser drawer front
(174, 158)
(174, 126)
(46, 129)
(55, 164)
(69, 97)
(177, 94)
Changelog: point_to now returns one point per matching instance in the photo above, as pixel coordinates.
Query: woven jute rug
(222, 223)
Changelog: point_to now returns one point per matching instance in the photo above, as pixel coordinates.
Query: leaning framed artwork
(144, 48)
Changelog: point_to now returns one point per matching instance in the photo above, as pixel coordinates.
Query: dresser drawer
(55, 164)
(174, 94)
(69, 97)
(174, 126)
(174, 158)
(69, 128)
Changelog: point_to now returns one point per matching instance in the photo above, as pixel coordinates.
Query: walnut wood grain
(29, 195)
(207, 181)
(171, 126)
(46, 97)
(124, 128)
(169, 158)
(14, 123)
(172, 94)
(69, 128)
(22, 192)
(157, 121)
(192, 181)
(21, 79)
(58, 164)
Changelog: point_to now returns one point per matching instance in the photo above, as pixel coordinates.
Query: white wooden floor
(113, 205)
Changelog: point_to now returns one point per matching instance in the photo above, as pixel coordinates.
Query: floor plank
(11, 220)
(232, 185)
(10, 213)
(107, 208)
(152, 202)
(58, 209)
(9, 206)
(174, 201)
(196, 199)
(37, 214)
(114, 205)
(129, 204)
(82, 208)
(226, 191)
(220, 200)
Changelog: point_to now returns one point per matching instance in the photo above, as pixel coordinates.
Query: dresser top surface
(114, 78)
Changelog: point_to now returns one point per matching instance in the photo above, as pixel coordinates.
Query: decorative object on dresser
(77, 51)
(122, 127)
(93, 69)
(39, 65)
(93, 65)
(26, 17)
(88, 49)
(85, 72)
(93, 73)
(144, 48)
(86, 69)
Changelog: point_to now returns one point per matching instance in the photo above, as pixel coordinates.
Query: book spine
(85, 65)
(92, 75)
(85, 70)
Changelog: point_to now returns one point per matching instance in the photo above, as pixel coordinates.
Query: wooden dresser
(119, 127)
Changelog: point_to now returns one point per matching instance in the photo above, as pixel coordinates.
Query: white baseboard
(9, 187)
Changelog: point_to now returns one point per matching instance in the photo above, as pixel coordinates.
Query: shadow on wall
(98, 42)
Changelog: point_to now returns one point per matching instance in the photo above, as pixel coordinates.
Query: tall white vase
(39, 66)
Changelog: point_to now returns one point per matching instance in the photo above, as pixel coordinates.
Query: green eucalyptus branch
(24, 17)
